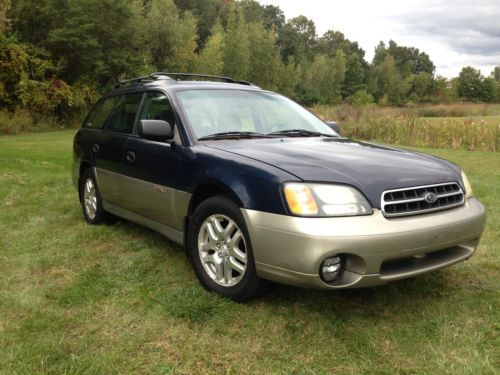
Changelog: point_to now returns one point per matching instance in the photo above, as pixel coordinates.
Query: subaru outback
(255, 187)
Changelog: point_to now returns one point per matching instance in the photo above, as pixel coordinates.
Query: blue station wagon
(255, 187)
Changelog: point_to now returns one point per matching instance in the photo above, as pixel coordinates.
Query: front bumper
(376, 250)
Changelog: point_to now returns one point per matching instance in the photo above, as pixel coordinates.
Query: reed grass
(406, 127)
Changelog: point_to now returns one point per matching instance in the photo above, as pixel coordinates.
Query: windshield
(221, 111)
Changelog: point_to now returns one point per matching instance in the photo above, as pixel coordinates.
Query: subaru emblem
(430, 197)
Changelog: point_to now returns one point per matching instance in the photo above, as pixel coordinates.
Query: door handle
(130, 156)
(95, 147)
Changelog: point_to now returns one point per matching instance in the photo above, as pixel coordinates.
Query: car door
(153, 168)
(109, 150)
(95, 124)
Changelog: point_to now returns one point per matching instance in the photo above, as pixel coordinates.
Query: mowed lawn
(87, 299)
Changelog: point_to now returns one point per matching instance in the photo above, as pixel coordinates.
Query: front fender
(255, 185)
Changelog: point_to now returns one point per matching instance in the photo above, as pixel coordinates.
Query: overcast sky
(455, 33)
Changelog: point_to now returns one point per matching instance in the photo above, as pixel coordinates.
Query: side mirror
(334, 126)
(155, 130)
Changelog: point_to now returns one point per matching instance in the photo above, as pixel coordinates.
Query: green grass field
(78, 299)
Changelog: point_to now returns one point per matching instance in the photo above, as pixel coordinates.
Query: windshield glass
(220, 111)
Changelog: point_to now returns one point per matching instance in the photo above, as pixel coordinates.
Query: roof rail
(158, 75)
(195, 75)
(133, 80)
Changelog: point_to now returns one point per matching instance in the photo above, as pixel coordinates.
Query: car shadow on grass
(168, 284)
(435, 284)
(410, 299)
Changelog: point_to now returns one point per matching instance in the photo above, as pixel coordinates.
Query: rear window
(101, 112)
(124, 117)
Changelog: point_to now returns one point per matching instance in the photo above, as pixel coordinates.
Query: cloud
(470, 28)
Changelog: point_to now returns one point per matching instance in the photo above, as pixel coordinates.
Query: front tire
(220, 250)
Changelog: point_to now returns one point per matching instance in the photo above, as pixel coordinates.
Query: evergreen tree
(287, 78)
(380, 54)
(495, 74)
(211, 58)
(355, 76)
(236, 46)
(338, 72)
(264, 57)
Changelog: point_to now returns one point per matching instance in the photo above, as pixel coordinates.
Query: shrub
(362, 98)
(54, 97)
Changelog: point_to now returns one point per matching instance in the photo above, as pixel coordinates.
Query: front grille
(411, 201)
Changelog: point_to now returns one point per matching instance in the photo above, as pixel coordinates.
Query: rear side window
(124, 117)
(97, 118)
(157, 107)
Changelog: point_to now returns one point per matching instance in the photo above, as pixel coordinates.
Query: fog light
(331, 268)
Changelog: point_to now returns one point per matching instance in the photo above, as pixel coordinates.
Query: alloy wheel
(222, 250)
(90, 198)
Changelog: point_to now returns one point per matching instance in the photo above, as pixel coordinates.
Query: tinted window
(97, 118)
(124, 117)
(157, 107)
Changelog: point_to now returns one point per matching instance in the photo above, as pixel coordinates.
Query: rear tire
(220, 250)
(90, 198)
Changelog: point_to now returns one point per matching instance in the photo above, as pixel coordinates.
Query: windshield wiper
(233, 134)
(300, 133)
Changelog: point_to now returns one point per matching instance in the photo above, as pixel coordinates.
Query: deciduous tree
(170, 36)
(298, 39)
(470, 83)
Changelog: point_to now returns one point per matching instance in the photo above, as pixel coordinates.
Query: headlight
(467, 185)
(322, 200)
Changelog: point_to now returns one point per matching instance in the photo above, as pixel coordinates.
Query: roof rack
(176, 76)
(133, 80)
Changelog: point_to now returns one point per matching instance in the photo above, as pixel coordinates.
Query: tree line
(56, 56)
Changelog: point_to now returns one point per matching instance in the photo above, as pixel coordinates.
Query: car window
(158, 107)
(218, 111)
(101, 112)
(124, 117)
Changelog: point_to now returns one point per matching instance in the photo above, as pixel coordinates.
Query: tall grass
(22, 121)
(407, 127)
(457, 110)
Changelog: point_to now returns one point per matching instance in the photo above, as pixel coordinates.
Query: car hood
(371, 168)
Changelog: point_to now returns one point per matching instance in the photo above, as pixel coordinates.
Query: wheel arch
(203, 192)
(84, 165)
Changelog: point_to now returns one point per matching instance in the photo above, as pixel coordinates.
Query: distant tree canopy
(56, 56)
